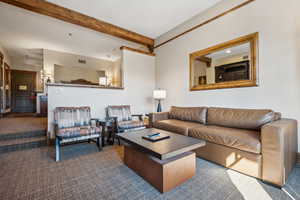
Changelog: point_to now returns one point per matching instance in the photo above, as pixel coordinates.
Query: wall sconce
(46, 76)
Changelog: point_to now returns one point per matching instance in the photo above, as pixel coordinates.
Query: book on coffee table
(154, 137)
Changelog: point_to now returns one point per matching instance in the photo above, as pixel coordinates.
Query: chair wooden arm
(140, 116)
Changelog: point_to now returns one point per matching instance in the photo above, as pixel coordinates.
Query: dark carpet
(84, 173)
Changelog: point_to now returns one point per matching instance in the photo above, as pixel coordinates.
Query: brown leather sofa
(258, 143)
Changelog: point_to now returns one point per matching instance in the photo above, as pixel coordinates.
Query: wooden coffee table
(165, 164)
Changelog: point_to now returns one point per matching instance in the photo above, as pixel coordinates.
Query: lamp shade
(103, 80)
(159, 94)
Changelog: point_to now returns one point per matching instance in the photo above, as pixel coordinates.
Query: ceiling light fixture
(228, 51)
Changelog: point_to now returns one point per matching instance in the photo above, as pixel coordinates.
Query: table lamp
(159, 95)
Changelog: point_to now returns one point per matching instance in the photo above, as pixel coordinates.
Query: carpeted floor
(84, 173)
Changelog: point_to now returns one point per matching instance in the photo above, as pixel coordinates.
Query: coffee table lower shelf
(165, 174)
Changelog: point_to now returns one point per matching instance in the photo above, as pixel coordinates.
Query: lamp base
(159, 106)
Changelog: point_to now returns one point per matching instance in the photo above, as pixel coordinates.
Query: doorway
(23, 91)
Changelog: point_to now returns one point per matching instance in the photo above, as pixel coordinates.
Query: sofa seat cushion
(77, 131)
(176, 126)
(124, 125)
(245, 140)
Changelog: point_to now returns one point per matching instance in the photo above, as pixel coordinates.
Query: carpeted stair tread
(21, 141)
(20, 135)
(22, 144)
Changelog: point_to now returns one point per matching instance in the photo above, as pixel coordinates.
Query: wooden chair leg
(119, 141)
(57, 150)
(113, 139)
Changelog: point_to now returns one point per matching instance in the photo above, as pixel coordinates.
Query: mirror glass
(229, 65)
(70, 69)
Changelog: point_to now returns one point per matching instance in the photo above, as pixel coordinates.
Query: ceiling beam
(49, 9)
(137, 50)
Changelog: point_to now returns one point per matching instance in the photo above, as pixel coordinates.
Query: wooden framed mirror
(227, 65)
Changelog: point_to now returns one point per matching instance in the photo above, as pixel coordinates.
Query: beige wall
(69, 73)
(8, 61)
(198, 69)
(139, 83)
(278, 25)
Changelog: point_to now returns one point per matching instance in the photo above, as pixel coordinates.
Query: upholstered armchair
(73, 124)
(124, 120)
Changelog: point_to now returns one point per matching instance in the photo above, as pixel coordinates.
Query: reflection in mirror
(231, 64)
(70, 69)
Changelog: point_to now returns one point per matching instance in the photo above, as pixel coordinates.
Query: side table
(108, 127)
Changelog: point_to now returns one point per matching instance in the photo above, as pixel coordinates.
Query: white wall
(139, 83)
(278, 24)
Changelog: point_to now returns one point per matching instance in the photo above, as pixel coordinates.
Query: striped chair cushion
(121, 112)
(130, 124)
(77, 131)
(67, 117)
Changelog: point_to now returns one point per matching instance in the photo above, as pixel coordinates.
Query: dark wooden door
(23, 91)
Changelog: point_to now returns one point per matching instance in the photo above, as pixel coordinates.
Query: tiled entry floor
(85, 173)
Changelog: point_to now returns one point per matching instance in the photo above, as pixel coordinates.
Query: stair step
(22, 144)
(28, 134)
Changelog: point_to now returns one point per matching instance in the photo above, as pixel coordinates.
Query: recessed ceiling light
(228, 51)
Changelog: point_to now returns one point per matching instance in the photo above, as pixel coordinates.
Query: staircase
(22, 141)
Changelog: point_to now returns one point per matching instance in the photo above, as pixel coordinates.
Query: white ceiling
(151, 18)
(23, 31)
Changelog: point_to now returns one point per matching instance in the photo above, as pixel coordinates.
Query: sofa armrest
(279, 150)
(158, 116)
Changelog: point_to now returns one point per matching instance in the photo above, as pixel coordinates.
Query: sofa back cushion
(239, 118)
(194, 114)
